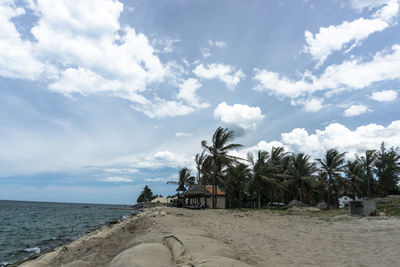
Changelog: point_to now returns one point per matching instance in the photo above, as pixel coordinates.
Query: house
(203, 194)
(160, 200)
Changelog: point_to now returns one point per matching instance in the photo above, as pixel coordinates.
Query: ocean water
(28, 228)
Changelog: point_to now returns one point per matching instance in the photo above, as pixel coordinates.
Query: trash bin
(356, 207)
(369, 207)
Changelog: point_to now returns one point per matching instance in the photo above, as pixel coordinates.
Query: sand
(165, 236)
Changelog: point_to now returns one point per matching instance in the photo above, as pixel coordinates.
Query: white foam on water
(35, 250)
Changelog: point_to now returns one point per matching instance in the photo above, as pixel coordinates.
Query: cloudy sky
(101, 97)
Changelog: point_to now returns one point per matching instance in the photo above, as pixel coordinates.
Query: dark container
(356, 208)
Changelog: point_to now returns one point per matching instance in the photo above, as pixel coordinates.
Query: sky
(99, 98)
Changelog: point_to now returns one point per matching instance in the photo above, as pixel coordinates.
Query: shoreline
(88, 234)
(45, 257)
(234, 238)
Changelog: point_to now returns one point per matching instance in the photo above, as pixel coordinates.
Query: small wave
(124, 217)
(35, 250)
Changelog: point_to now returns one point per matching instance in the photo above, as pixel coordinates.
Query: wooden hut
(202, 194)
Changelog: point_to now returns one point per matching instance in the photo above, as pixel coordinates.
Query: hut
(195, 195)
(203, 194)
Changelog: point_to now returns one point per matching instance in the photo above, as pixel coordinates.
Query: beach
(235, 238)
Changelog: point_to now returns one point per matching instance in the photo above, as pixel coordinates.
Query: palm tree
(219, 149)
(199, 159)
(332, 164)
(238, 177)
(354, 172)
(259, 169)
(185, 180)
(299, 170)
(368, 162)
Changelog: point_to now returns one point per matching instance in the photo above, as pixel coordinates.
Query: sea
(29, 228)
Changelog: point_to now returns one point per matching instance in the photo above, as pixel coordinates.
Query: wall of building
(220, 202)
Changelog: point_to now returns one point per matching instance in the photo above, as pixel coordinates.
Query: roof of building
(202, 190)
(196, 191)
(210, 189)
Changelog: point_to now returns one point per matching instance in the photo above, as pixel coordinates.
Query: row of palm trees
(281, 176)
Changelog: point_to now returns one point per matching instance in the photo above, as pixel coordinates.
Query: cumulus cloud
(116, 179)
(17, 58)
(81, 49)
(353, 74)
(310, 105)
(384, 96)
(262, 145)
(226, 73)
(67, 35)
(242, 116)
(187, 92)
(334, 38)
(355, 110)
(334, 135)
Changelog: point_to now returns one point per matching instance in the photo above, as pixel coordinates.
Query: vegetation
(146, 195)
(279, 176)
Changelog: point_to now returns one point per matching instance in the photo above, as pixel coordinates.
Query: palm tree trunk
(215, 184)
(369, 184)
(301, 190)
(329, 189)
(258, 196)
(301, 194)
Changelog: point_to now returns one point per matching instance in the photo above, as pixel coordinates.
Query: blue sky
(99, 98)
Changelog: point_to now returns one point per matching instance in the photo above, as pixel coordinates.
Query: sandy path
(259, 238)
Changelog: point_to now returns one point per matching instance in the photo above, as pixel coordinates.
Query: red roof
(210, 189)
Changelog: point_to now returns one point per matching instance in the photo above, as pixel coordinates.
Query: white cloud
(262, 145)
(310, 105)
(205, 52)
(158, 179)
(354, 74)
(183, 134)
(243, 116)
(81, 48)
(67, 35)
(159, 159)
(334, 38)
(187, 92)
(336, 136)
(226, 73)
(121, 170)
(219, 44)
(16, 55)
(165, 45)
(116, 179)
(161, 108)
(355, 110)
(384, 96)
(359, 5)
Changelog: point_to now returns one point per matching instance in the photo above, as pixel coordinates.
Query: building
(161, 200)
(203, 194)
